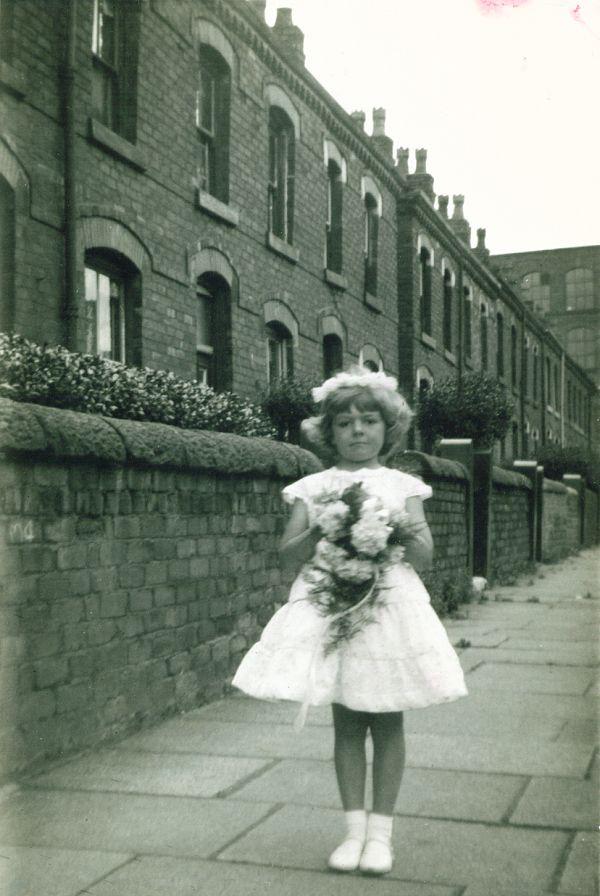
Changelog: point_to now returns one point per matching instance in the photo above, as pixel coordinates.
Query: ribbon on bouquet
(300, 719)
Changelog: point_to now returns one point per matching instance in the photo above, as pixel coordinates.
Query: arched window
(536, 374)
(370, 358)
(447, 308)
(280, 351)
(113, 306)
(213, 331)
(114, 56)
(333, 355)
(467, 318)
(499, 344)
(513, 357)
(536, 290)
(548, 373)
(334, 234)
(525, 372)
(580, 289)
(483, 336)
(371, 243)
(557, 397)
(425, 268)
(7, 255)
(212, 122)
(581, 345)
(281, 174)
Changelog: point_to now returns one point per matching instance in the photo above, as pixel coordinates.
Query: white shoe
(347, 855)
(377, 858)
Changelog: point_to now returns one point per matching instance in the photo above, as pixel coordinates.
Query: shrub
(51, 375)
(447, 594)
(287, 403)
(476, 408)
(558, 460)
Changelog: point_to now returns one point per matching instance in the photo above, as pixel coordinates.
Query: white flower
(370, 535)
(329, 556)
(330, 518)
(356, 570)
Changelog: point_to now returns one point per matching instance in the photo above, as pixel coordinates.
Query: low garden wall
(560, 532)
(511, 525)
(591, 522)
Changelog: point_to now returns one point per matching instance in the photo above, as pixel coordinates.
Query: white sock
(356, 824)
(379, 827)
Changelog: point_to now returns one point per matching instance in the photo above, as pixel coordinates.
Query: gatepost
(576, 482)
(482, 515)
(529, 468)
(461, 451)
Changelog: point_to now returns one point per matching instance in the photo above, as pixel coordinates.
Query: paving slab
(131, 772)
(515, 756)
(583, 730)
(579, 635)
(432, 793)
(546, 680)
(33, 871)
(558, 803)
(584, 651)
(445, 852)
(208, 736)
(245, 709)
(580, 876)
(149, 876)
(124, 822)
(474, 656)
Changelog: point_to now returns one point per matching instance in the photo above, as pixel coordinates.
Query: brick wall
(591, 533)
(560, 531)
(511, 525)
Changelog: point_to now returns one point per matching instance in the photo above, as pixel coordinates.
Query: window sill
(334, 279)
(426, 339)
(115, 144)
(217, 209)
(12, 81)
(282, 248)
(450, 356)
(374, 302)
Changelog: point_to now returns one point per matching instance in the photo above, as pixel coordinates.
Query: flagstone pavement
(500, 794)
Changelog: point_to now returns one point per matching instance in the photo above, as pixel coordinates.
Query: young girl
(401, 659)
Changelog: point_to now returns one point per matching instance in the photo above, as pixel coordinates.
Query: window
(212, 122)
(548, 383)
(525, 372)
(467, 312)
(569, 402)
(280, 352)
(7, 11)
(371, 243)
(281, 174)
(536, 290)
(535, 373)
(334, 217)
(515, 439)
(580, 289)
(333, 355)
(425, 276)
(448, 300)
(500, 344)
(513, 357)
(112, 308)
(114, 56)
(557, 397)
(7, 255)
(581, 345)
(213, 331)
(483, 337)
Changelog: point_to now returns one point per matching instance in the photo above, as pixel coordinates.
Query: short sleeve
(295, 490)
(416, 488)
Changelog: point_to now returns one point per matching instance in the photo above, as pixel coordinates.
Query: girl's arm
(299, 539)
(419, 550)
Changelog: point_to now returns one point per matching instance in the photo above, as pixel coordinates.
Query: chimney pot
(481, 237)
(284, 17)
(457, 212)
(289, 36)
(443, 206)
(379, 122)
(421, 155)
(402, 161)
(359, 118)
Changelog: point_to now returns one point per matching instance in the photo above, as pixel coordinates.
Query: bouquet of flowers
(360, 539)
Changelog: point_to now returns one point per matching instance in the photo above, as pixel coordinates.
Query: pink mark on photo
(576, 13)
(488, 6)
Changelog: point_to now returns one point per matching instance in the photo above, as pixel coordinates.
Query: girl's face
(358, 437)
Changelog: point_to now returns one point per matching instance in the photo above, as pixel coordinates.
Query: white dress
(401, 660)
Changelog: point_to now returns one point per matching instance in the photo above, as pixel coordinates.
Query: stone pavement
(499, 797)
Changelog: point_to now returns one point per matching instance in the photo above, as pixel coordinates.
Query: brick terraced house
(177, 191)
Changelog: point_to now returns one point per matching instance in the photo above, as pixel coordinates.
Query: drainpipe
(562, 399)
(70, 299)
(524, 374)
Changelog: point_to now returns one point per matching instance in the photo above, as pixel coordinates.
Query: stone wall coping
(31, 429)
(428, 466)
(508, 478)
(552, 485)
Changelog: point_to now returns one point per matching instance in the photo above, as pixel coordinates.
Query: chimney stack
(289, 37)
(402, 161)
(259, 7)
(384, 144)
(420, 180)
(481, 249)
(359, 119)
(443, 206)
(458, 222)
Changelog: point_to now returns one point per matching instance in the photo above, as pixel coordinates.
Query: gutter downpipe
(562, 399)
(70, 310)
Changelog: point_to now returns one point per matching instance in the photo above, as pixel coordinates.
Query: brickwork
(560, 532)
(510, 525)
(591, 533)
